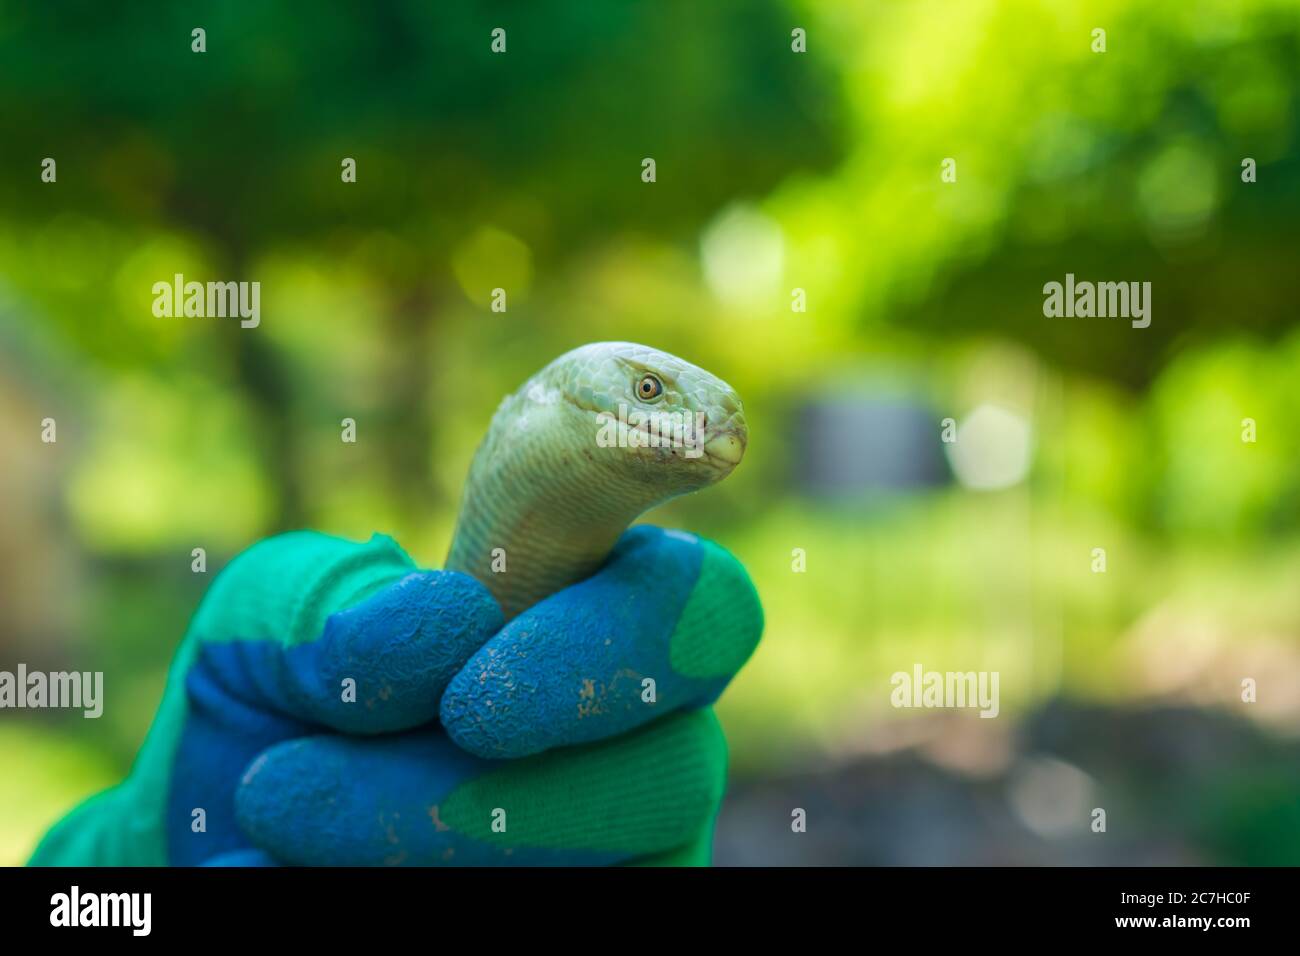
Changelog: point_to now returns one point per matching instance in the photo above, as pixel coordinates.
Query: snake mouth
(684, 431)
(725, 450)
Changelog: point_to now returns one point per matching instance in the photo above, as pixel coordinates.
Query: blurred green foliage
(775, 171)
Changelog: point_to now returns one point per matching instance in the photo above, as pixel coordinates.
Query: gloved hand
(309, 654)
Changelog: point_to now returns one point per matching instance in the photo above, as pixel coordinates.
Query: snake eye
(649, 388)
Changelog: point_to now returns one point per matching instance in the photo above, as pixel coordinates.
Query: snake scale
(600, 435)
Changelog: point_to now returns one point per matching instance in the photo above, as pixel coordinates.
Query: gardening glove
(276, 738)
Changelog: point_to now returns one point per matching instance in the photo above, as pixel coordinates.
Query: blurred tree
(1122, 165)
(241, 148)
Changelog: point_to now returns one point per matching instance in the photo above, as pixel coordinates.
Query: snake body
(556, 480)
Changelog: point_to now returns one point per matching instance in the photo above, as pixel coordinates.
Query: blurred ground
(1179, 786)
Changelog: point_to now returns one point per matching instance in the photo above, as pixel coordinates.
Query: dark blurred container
(848, 445)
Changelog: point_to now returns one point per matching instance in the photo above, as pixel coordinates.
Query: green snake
(556, 480)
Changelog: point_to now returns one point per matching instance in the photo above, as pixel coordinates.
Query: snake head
(577, 453)
(670, 422)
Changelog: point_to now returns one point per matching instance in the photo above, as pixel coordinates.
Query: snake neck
(543, 505)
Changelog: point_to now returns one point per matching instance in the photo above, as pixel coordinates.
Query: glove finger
(663, 626)
(379, 665)
(417, 799)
